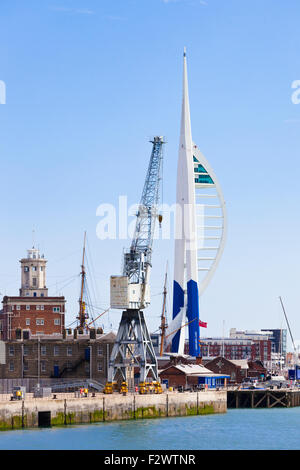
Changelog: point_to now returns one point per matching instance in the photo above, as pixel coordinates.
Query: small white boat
(252, 384)
(277, 378)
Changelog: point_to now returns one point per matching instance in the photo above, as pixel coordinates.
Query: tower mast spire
(186, 131)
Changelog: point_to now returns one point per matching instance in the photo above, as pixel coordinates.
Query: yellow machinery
(111, 387)
(152, 387)
(157, 387)
(124, 388)
(144, 388)
(18, 393)
(108, 388)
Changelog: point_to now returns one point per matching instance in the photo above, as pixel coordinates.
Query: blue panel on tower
(193, 318)
(178, 303)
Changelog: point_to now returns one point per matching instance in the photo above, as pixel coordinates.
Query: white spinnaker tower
(208, 216)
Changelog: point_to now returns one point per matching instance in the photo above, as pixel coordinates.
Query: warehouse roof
(242, 363)
(194, 370)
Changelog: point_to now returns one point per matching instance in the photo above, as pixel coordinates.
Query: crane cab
(125, 295)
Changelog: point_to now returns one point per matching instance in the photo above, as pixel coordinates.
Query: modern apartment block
(237, 348)
(278, 339)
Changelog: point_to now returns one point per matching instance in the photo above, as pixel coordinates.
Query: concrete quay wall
(30, 413)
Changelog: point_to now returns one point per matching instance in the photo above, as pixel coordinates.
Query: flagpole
(223, 345)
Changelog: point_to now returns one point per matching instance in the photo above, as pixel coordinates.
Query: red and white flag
(203, 324)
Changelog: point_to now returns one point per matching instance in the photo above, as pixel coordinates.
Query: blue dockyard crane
(130, 292)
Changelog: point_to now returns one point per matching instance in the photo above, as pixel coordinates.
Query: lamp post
(91, 365)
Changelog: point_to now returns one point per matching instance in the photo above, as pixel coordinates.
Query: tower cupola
(33, 274)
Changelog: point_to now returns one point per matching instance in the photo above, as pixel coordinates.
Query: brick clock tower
(33, 312)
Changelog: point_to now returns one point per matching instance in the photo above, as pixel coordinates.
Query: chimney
(199, 360)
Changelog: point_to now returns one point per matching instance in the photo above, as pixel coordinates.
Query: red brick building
(66, 356)
(238, 370)
(31, 315)
(32, 312)
(189, 376)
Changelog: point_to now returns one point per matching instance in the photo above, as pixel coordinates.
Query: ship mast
(163, 325)
(82, 314)
(290, 331)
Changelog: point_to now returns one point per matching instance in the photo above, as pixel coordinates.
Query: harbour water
(241, 429)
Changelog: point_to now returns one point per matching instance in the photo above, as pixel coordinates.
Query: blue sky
(88, 82)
